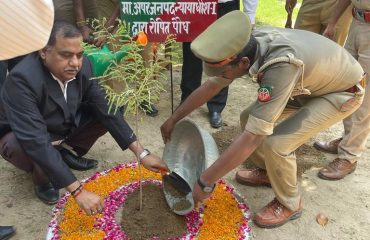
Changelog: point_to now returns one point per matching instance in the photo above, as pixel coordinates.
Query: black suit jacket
(33, 107)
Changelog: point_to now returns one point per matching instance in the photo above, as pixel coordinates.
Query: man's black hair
(65, 28)
(248, 51)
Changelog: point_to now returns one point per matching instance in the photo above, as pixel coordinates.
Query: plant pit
(155, 218)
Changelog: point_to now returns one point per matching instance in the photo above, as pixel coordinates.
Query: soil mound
(154, 220)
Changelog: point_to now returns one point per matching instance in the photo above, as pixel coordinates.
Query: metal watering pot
(190, 151)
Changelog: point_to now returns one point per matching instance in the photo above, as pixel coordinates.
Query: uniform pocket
(344, 101)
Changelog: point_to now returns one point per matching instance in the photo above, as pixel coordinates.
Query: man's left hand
(86, 34)
(199, 196)
(154, 163)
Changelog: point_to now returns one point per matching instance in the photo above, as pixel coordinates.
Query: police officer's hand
(166, 129)
(86, 34)
(99, 41)
(329, 31)
(289, 5)
(154, 163)
(90, 202)
(199, 196)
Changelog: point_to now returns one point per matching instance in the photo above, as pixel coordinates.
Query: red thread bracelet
(77, 193)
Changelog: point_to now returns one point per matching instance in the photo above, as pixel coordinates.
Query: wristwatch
(206, 189)
(145, 153)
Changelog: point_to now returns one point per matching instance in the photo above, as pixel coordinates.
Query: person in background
(78, 12)
(250, 8)
(286, 69)
(109, 9)
(192, 69)
(3, 72)
(352, 144)
(6, 66)
(111, 14)
(314, 16)
(50, 107)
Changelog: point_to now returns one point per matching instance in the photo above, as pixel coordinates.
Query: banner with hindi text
(186, 19)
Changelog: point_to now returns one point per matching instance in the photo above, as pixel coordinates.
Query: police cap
(222, 41)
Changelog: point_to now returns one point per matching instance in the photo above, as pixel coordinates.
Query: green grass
(272, 13)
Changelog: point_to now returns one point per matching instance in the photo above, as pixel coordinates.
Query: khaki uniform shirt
(317, 67)
(314, 16)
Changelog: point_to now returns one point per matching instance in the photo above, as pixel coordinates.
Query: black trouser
(81, 141)
(7, 65)
(3, 70)
(192, 68)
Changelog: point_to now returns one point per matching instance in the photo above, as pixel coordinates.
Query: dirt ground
(155, 215)
(346, 202)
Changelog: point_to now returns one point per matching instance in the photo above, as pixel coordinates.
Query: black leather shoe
(77, 163)
(47, 193)
(215, 119)
(6, 232)
(149, 109)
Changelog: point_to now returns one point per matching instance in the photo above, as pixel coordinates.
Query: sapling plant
(128, 78)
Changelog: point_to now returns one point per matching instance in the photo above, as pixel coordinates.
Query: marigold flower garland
(222, 217)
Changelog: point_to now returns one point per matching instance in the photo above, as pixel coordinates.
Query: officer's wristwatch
(205, 188)
(145, 153)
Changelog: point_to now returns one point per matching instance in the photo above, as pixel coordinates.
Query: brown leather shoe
(253, 177)
(337, 169)
(275, 214)
(328, 147)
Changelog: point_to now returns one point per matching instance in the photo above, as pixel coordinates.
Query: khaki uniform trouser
(93, 9)
(64, 10)
(314, 16)
(357, 126)
(276, 152)
(106, 8)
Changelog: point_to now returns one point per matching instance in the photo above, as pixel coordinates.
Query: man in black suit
(48, 104)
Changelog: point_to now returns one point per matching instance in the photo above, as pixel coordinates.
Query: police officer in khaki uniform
(64, 10)
(314, 16)
(110, 10)
(357, 126)
(288, 65)
(107, 7)
(79, 13)
(82, 14)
